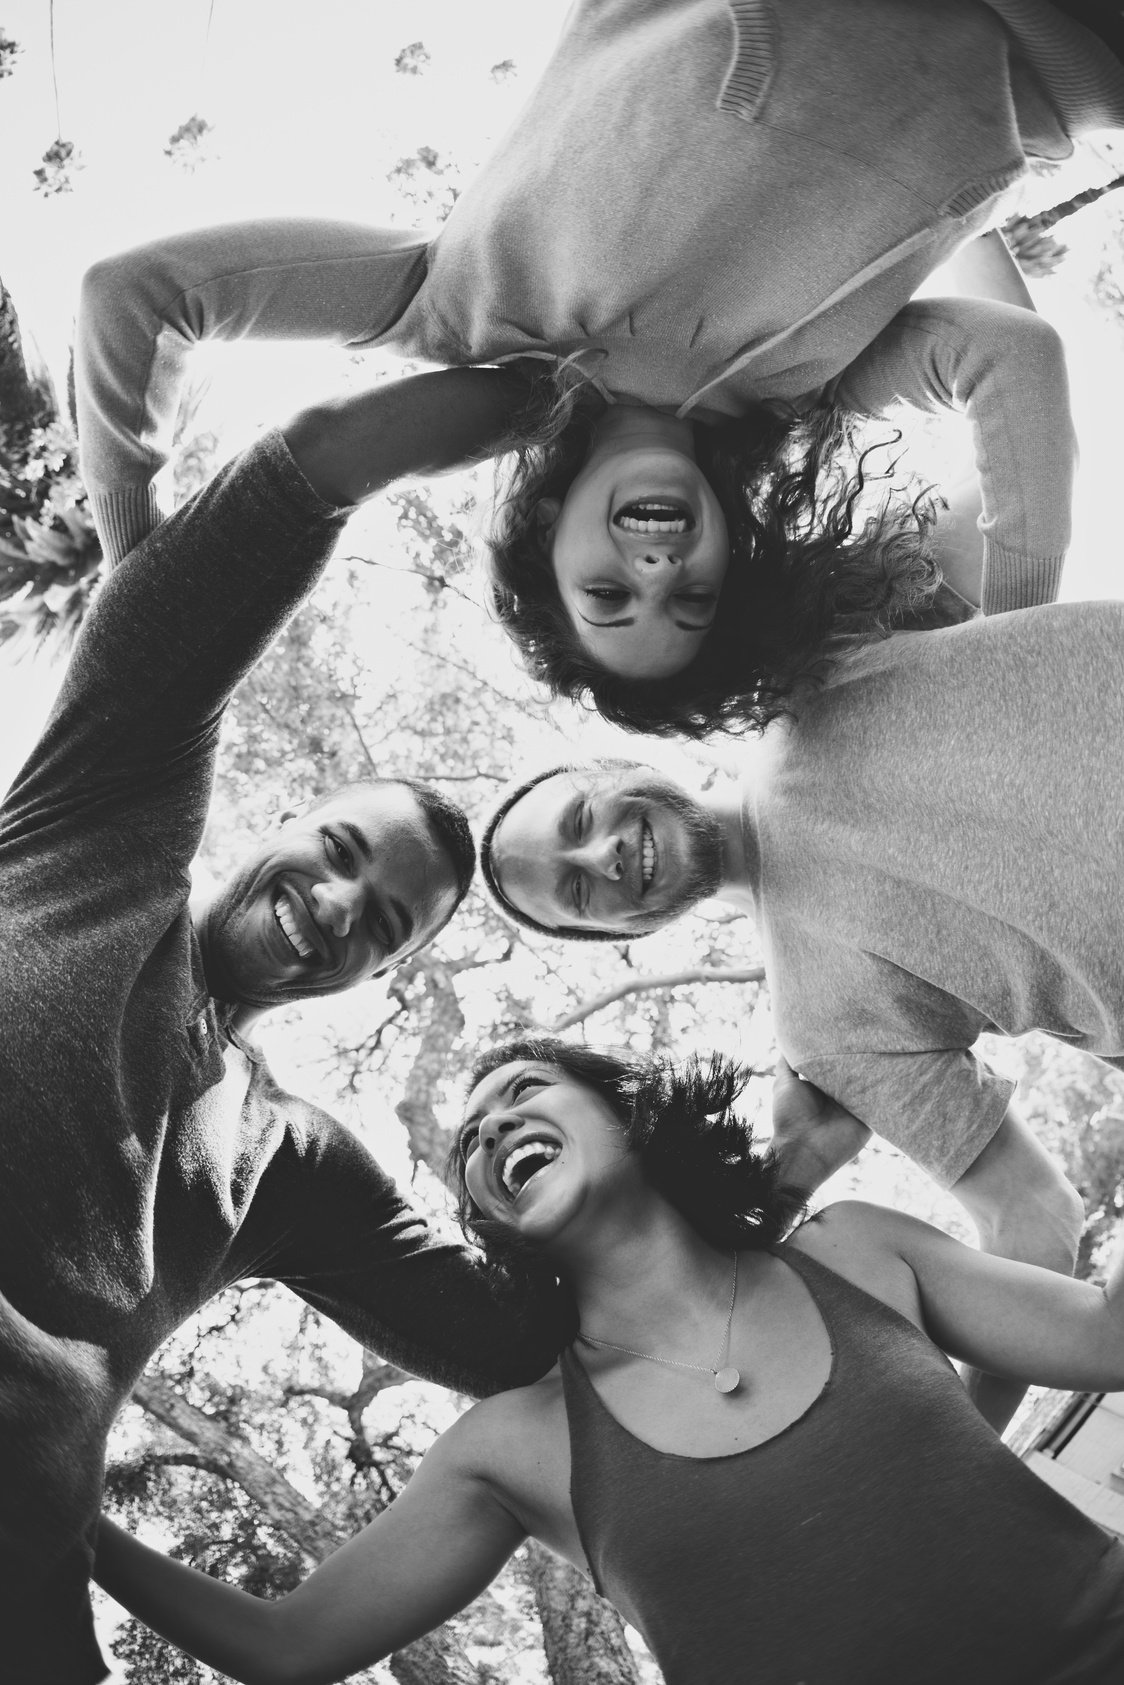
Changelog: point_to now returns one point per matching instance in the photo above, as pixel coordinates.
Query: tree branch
(642, 985)
(436, 1659)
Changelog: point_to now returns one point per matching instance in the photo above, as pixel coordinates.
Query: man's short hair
(447, 820)
(488, 864)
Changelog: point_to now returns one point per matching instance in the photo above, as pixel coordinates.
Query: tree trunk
(436, 1659)
(582, 1634)
(444, 1022)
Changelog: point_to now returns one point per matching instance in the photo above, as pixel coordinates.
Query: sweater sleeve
(329, 1222)
(143, 311)
(1005, 369)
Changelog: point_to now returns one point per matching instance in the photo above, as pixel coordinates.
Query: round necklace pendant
(727, 1380)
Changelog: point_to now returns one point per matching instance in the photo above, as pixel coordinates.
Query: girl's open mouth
(655, 517)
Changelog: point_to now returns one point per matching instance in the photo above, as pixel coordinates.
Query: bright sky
(309, 115)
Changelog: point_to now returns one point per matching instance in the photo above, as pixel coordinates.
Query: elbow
(106, 288)
(1042, 356)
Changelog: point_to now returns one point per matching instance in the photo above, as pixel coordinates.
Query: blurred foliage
(9, 52)
(426, 183)
(412, 60)
(60, 164)
(50, 558)
(191, 145)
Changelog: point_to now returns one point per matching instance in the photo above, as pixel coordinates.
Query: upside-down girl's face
(541, 1149)
(640, 550)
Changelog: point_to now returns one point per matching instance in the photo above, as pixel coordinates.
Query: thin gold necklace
(727, 1379)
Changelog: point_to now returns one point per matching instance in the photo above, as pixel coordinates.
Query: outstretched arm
(420, 1561)
(143, 311)
(1029, 1325)
(1004, 368)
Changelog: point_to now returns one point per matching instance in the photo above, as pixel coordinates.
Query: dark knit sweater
(147, 1156)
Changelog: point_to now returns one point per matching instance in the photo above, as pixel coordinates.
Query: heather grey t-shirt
(937, 847)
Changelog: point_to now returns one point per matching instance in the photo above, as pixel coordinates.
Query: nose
(494, 1127)
(655, 560)
(338, 905)
(604, 856)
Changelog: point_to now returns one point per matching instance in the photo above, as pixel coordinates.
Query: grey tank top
(886, 1537)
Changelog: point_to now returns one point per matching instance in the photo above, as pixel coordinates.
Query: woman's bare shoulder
(864, 1244)
(493, 1436)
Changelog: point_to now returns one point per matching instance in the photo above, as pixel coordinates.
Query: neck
(204, 887)
(724, 803)
(652, 1281)
(629, 427)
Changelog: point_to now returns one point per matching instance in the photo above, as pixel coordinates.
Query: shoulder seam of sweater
(752, 64)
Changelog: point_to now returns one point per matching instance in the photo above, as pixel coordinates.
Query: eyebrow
(471, 1119)
(568, 832)
(405, 920)
(630, 620)
(358, 839)
(401, 912)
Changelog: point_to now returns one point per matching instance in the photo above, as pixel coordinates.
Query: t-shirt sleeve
(331, 1224)
(941, 1107)
(1005, 368)
(143, 311)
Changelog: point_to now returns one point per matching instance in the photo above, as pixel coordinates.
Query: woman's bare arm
(1010, 1319)
(423, 1559)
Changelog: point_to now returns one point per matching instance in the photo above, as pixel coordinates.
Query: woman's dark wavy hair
(695, 1149)
(805, 570)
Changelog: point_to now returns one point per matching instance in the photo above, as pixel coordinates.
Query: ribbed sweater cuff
(1012, 579)
(125, 517)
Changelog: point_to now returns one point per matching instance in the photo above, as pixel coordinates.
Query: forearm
(809, 1156)
(229, 1630)
(1021, 1203)
(143, 311)
(350, 448)
(1024, 1210)
(984, 268)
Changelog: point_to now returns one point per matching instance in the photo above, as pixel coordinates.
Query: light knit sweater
(707, 204)
(935, 846)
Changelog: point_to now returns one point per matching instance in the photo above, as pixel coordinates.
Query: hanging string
(54, 73)
(206, 45)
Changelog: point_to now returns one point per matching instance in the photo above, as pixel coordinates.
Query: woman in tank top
(756, 1446)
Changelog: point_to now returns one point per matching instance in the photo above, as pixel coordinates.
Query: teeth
(283, 913)
(649, 516)
(546, 1150)
(628, 523)
(647, 855)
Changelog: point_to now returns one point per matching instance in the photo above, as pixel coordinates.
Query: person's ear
(293, 812)
(547, 511)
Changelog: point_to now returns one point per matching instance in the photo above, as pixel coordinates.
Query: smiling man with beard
(148, 1158)
(341, 892)
(931, 847)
